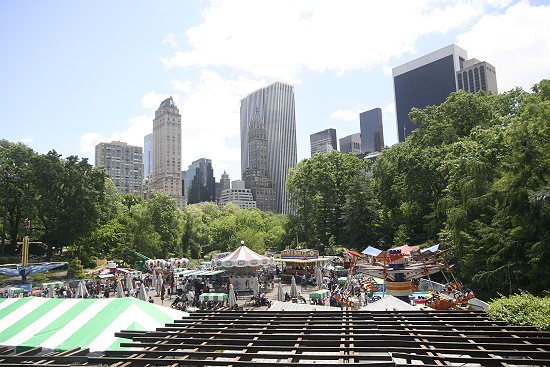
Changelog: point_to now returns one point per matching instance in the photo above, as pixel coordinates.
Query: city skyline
(79, 81)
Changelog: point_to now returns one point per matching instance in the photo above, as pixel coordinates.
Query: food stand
(300, 262)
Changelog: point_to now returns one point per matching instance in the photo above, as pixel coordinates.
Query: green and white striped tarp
(63, 324)
(320, 294)
(214, 297)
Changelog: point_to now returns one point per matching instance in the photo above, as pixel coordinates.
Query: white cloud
(170, 40)
(277, 39)
(211, 122)
(515, 43)
(351, 115)
(27, 140)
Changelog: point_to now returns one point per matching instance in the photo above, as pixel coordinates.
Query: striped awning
(214, 297)
(63, 324)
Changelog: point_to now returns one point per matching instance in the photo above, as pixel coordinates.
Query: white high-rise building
(275, 106)
(167, 151)
(147, 154)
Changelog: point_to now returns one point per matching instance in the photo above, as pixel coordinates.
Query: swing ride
(400, 270)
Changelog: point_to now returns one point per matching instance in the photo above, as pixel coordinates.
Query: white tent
(63, 324)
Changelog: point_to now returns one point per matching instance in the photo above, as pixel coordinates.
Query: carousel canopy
(242, 257)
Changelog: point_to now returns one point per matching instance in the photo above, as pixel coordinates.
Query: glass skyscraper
(323, 141)
(426, 81)
(372, 131)
(147, 154)
(275, 105)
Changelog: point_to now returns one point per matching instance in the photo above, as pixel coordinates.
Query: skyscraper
(372, 131)
(123, 164)
(477, 75)
(275, 104)
(256, 176)
(423, 82)
(323, 141)
(200, 185)
(430, 79)
(167, 151)
(147, 154)
(351, 144)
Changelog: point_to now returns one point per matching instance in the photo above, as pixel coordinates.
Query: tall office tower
(423, 82)
(147, 154)
(276, 105)
(372, 131)
(200, 185)
(323, 141)
(256, 176)
(351, 144)
(123, 164)
(477, 75)
(167, 151)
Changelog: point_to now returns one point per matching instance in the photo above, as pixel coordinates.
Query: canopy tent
(320, 294)
(63, 324)
(214, 297)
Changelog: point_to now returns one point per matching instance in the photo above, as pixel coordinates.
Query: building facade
(256, 176)
(147, 154)
(351, 144)
(200, 185)
(238, 195)
(123, 163)
(166, 174)
(276, 107)
(425, 81)
(477, 75)
(323, 141)
(430, 79)
(372, 130)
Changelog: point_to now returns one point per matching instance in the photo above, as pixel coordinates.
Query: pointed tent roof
(242, 257)
(63, 324)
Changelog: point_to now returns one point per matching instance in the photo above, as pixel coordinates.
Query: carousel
(241, 266)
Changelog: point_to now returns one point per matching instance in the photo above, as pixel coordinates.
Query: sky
(76, 73)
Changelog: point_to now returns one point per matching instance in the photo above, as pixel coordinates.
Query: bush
(75, 270)
(10, 260)
(522, 309)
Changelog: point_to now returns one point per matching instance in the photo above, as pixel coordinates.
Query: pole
(5, 218)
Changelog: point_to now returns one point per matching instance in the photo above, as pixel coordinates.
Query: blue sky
(75, 73)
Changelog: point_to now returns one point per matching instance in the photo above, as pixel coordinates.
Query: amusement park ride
(401, 270)
(25, 269)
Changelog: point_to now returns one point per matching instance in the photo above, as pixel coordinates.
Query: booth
(300, 263)
(320, 294)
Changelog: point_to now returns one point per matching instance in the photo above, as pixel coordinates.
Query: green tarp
(214, 297)
(63, 324)
(320, 294)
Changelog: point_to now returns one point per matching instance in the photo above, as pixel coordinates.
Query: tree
(165, 217)
(318, 188)
(69, 196)
(75, 269)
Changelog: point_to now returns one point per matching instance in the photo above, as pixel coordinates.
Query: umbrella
(81, 291)
(119, 290)
(255, 287)
(232, 299)
(142, 293)
(293, 290)
(280, 295)
(318, 277)
(129, 283)
(51, 292)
